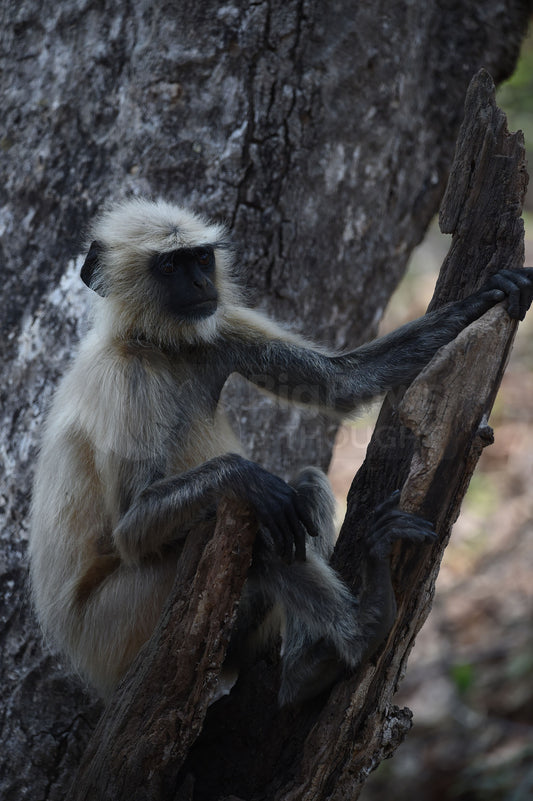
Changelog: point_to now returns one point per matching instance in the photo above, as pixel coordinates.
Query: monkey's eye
(203, 257)
(167, 266)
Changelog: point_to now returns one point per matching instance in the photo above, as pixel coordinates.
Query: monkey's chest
(207, 437)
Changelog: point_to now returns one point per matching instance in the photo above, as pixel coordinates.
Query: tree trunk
(323, 134)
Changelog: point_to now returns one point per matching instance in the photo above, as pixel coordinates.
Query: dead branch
(158, 710)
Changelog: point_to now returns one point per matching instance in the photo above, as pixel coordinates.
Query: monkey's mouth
(197, 311)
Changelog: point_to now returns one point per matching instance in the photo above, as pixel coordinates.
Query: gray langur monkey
(136, 451)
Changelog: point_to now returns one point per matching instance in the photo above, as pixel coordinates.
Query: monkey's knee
(312, 485)
(309, 672)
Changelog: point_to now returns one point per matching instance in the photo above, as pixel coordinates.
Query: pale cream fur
(92, 605)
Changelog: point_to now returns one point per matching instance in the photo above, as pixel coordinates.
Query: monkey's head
(164, 273)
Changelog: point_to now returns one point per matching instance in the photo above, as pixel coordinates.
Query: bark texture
(323, 134)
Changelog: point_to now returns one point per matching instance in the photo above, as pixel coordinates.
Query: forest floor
(469, 680)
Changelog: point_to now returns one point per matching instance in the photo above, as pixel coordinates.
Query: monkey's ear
(90, 266)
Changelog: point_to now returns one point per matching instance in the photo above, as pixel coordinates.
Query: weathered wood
(159, 708)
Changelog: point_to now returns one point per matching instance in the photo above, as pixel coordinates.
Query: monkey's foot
(391, 524)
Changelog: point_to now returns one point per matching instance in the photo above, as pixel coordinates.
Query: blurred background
(469, 681)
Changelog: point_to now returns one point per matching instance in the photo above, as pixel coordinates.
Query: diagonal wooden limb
(159, 709)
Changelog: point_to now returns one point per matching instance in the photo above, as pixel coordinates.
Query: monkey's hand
(513, 286)
(279, 510)
(390, 524)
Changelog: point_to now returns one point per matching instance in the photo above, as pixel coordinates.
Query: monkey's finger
(282, 539)
(417, 535)
(297, 532)
(495, 295)
(306, 519)
(271, 517)
(513, 298)
(414, 533)
(276, 506)
(516, 285)
(381, 541)
(387, 505)
(526, 298)
(412, 523)
(396, 518)
(402, 525)
(299, 544)
(523, 278)
(285, 536)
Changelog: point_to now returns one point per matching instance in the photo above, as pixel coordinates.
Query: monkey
(136, 452)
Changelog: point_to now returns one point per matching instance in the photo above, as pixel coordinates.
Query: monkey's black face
(187, 281)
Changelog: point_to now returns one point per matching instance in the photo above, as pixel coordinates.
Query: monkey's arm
(171, 504)
(339, 383)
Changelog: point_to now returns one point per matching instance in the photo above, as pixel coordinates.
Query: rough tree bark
(322, 133)
(435, 435)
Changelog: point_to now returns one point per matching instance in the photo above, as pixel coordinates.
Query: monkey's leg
(262, 615)
(316, 613)
(320, 628)
(328, 629)
(310, 665)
